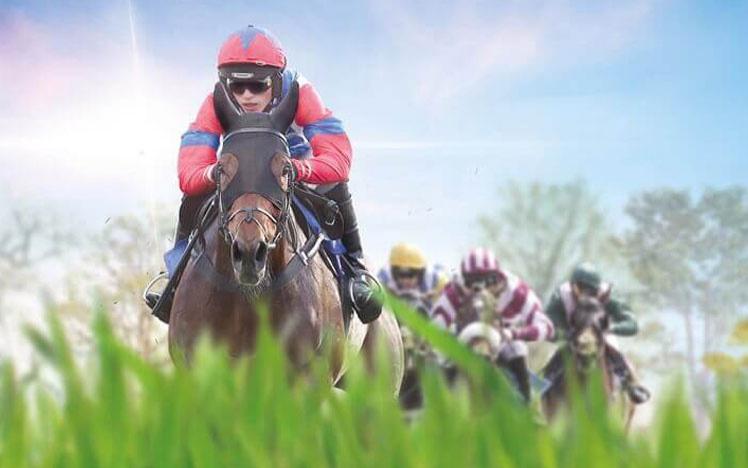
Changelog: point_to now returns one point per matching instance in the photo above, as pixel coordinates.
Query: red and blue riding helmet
(252, 53)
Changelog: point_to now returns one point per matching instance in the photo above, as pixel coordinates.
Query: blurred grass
(125, 411)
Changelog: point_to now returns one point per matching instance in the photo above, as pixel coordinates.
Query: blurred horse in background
(585, 354)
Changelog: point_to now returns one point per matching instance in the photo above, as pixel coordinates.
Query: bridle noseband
(281, 222)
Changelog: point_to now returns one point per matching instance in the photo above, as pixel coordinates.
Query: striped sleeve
(525, 315)
(197, 151)
(331, 149)
(444, 311)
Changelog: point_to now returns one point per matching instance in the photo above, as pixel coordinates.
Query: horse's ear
(279, 166)
(283, 115)
(227, 111)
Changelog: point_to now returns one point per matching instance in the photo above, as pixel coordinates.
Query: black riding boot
(518, 367)
(636, 392)
(188, 212)
(363, 286)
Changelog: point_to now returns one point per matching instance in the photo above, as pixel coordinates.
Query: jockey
(252, 65)
(409, 277)
(586, 281)
(516, 311)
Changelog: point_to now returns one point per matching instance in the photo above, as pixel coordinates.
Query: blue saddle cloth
(334, 247)
(173, 255)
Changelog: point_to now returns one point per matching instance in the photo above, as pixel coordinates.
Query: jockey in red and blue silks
(319, 146)
(252, 65)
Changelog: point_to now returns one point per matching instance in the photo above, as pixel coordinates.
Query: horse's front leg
(384, 332)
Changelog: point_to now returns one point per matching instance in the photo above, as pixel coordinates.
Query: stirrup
(147, 290)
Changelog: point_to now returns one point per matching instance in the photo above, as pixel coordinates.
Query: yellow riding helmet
(407, 256)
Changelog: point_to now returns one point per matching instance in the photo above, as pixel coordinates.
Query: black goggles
(253, 86)
(481, 279)
(404, 273)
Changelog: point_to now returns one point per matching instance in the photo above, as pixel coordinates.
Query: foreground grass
(125, 411)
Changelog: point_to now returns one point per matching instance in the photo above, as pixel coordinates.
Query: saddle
(325, 213)
(319, 216)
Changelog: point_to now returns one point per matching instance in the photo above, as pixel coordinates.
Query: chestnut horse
(586, 353)
(253, 253)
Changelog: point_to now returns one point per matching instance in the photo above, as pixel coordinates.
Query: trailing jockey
(409, 277)
(252, 65)
(515, 310)
(586, 281)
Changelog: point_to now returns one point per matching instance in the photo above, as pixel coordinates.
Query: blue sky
(443, 104)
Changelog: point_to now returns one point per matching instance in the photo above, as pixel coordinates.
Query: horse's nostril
(261, 253)
(236, 252)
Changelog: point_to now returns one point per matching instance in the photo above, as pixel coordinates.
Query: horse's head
(483, 339)
(254, 183)
(588, 324)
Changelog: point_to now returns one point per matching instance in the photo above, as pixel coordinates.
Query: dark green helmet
(585, 273)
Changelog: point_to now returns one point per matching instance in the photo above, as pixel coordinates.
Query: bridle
(589, 325)
(281, 222)
(249, 214)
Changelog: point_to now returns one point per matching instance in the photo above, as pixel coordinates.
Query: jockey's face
(406, 279)
(253, 96)
(492, 282)
(497, 287)
(583, 290)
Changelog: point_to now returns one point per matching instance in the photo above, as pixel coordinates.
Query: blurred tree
(723, 262)
(29, 237)
(119, 262)
(128, 252)
(541, 231)
(690, 255)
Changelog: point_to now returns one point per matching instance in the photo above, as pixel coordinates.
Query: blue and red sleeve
(198, 150)
(331, 149)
